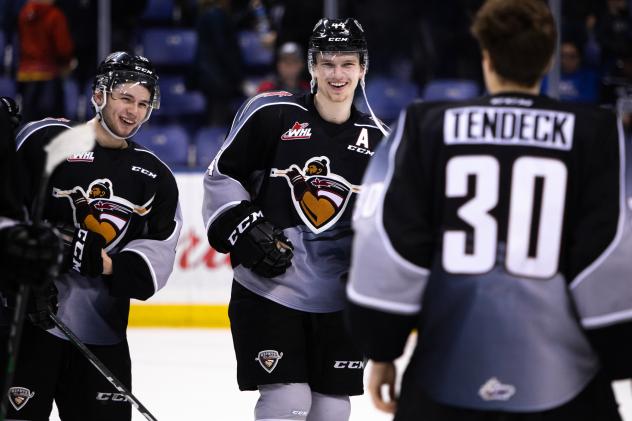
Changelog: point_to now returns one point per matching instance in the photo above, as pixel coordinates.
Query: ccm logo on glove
(77, 252)
(243, 225)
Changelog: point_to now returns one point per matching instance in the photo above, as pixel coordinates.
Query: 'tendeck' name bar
(509, 126)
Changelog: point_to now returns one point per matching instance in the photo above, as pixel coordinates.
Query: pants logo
(19, 396)
(269, 359)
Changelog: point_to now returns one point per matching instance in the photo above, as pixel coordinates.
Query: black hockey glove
(12, 109)
(298, 183)
(42, 301)
(83, 252)
(32, 255)
(251, 240)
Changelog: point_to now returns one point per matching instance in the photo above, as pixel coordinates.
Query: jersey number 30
(522, 258)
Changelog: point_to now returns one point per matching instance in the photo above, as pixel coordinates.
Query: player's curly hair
(519, 36)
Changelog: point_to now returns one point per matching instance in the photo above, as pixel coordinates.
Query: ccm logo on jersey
(349, 364)
(143, 171)
(297, 131)
(114, 397)
(243, 225)
(362, 144)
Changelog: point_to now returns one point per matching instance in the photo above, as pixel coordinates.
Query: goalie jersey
(126, 195)
(276, 138)
(500, 229)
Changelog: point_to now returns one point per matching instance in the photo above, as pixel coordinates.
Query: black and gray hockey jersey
(275, 135)
(489, 225)
(132, 201)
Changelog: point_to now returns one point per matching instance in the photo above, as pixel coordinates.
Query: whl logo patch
(19, 396)
(297, 131)
(269, 359)
(81, 157)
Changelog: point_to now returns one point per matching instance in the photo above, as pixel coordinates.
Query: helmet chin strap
(377, 121)
(99, 109)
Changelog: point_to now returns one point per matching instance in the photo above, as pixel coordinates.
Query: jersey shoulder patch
(262, 100)
(28, 130)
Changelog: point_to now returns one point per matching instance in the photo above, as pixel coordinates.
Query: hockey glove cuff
(83, 253)
(252, 240)
(32, 254)
(42, 301)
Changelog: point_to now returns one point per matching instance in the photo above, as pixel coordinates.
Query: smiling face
(126, 108)
(337, 75)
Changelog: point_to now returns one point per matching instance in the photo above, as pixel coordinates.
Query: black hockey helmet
(343, 35)
(123, 67)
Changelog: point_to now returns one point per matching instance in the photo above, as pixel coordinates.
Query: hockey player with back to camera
(498, 227)
(278, 198)
(117, 206)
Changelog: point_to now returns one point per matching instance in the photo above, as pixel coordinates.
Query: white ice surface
(189, 374)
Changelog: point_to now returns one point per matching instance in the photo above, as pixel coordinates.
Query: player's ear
(98, 97)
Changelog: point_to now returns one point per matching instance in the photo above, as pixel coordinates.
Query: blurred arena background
(213, 54)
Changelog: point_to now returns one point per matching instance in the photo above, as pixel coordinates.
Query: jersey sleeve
(601, 248)
(391, 247)
(144, 265)
(236, 173)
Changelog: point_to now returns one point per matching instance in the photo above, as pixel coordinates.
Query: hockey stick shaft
(101, 367)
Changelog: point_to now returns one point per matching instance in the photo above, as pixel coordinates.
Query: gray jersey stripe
(397, 284)
(34, 126)
(608, 276)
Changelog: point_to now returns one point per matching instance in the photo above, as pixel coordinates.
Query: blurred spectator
(217, 69)
(82, 21)
(578, 83)
(290, 65)
(614, 31)
(125, 17)
(616, 89)
(46, 54)
(298, 20)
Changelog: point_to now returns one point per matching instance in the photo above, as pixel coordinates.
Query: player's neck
(333, 112)
(500, 87)
(104, 139)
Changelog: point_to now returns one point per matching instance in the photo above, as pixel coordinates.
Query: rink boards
(199, 288)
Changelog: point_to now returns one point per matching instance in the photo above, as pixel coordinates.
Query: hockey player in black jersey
(278, 198)
(117, 206)
(30, 255)
(499, 229)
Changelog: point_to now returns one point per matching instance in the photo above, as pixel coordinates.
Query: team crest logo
(269, 359)
(320, 197)
(99, 210)
(494, 390)
(297, 131)
(19, 396)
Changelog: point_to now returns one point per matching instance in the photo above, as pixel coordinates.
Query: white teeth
(337, 85)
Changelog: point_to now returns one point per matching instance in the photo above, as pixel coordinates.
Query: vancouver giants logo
(320, 197)
(297, 131)
(99, 210)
